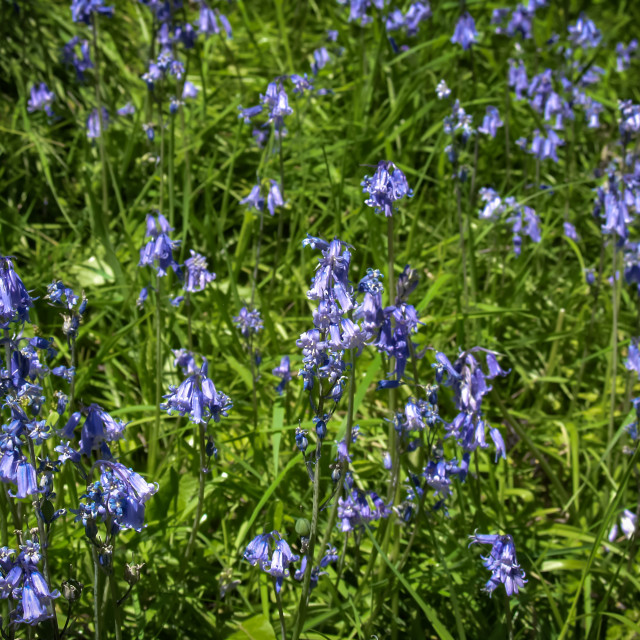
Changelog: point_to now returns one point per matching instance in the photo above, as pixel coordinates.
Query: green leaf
(256, 628)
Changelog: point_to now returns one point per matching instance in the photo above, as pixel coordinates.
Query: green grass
(567, 476)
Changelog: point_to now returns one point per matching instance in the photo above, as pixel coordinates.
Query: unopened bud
(72, 590)
(132, 573)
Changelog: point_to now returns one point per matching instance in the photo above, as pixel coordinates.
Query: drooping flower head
(15, 301)
(83, 10)
(158, 252)
(387, 185)
(41, 99)
(198, 398)
(272, 554)
(465, 33)
(197, 276)
(502, 563)
(249, 322)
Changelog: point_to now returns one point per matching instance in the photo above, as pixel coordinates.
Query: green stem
(306, 582)
(97, 620)
(615, 301)
(154, 434)
(196, 523)
(116, 609)
(283, 630)
(44, 544)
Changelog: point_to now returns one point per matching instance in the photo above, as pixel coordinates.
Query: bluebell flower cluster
(331, 555)
(632, 363)
(360, 508)
(15, 300)
(271, 552)
(358, 9)
(491, 122)
(523, 219)
(584, 33)
(81, 62)
(469, 383)
(197, 276)
(158, 252)
(502, 563)
(387, 185)
(256, 201)
(94, 126)
(84, 10)
(519, 20)
(40, 99)
(21, 580)
(323, 347)
(117, 499)
(624, 53)
(465, 33)
(198, 398)
(249, 322)
(275, 102)
(628, 524)
(409, 21)
(283, 371)
(617, 201)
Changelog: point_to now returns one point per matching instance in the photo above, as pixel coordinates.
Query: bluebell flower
(416, 13)
(465, 33)
(491, 122)
(439, 475)
(207, 22)
(301, 439)
(158, 252)
(249, 112)
(142, 297)
(149, 130)
(98, 429)
(386, 461)
(385, 187)
(272, 553)
(274, 197)
(249, 322)
(176, 301)
(197, 276)
(94, 128)
(570, 231)
(470, 385)
(189, 91)
(283, 371)
(185, 360)
(623, 54)
(584, 33)
(628, 524)
(524, 220)
(15, 301)
(277, 102)
(494, 206)
(198, 398)
(442, 90)
(41, 99)
(300, 84)
(254, 199)
(360, 508)
(83, 10)
(632, 363)
(517, 78)
(25, 583)
(502, 563)
(82, 62)
(320, 60)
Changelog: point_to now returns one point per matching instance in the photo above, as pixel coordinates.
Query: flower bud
(72, 590)
(132, 573)
(303, 527)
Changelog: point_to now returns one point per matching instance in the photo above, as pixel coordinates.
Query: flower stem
(283, 630)
(196, 523)
(116, 608)
(615, 301)
(153, 434)
(43, 543)
(96, 595)
(306, 582)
